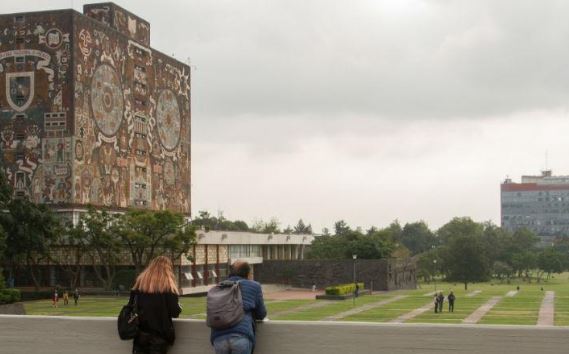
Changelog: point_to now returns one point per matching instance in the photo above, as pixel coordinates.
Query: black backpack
(224, 305)
(129, 320)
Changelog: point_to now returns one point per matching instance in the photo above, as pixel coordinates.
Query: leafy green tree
(69, 251)
(328, 247)
(462, 254)
(426, 267)
(98, 231)
(417, 237)
(549, 261)
(29, 229)
(301, 228)
(148, 234)
(341, 228)
(209, 222)
(502, 271)
(523, 263)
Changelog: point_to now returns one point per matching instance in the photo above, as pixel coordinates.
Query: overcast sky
(366, 111)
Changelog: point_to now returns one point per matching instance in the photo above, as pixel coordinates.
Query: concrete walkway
(474, 293)
(363, 308)
(482, 310)
(547, 310)
(432, 293)
(416, 312)
(512, 293)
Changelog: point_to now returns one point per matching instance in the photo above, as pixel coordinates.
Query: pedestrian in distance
(357, 291)
(436, 301)
(313, 287)
(155, 293)
(441, 301)
(54, 298)
(238, 338)
(66, 297)
(76, 296)
(451, 299)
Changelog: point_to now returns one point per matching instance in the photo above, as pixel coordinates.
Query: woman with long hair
(156, 294)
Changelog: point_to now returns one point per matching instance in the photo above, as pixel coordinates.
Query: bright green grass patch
(333, 308)
(392, 310)
(88, 306)
(274, 307)
(522, 309)
(103, 306)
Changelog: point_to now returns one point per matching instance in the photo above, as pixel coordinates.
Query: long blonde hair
(158, 277)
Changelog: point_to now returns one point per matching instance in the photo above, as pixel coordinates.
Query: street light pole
(354, 257)
(435, 275)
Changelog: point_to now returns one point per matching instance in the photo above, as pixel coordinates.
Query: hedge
(343, 289)
(8, 296)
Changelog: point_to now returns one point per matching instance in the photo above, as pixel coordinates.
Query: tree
(272, 226)
(523, 263)
(341, 228)
(30, 230)
(426, 267)
(98, 231)
(327, 247)
(69, 251)
(549, 261)
(148, 234)
(375, 244)
(502, 271)
(417, 237)
(462, 254)
(301, 228)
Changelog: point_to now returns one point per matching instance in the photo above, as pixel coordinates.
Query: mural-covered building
(91, 114)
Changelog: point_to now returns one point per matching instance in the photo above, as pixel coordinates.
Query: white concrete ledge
(86, 335)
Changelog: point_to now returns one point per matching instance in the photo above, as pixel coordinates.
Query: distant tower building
(539, 203)
(90, 114)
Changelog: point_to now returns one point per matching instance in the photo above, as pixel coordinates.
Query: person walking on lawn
(451, 299)
(441, 300)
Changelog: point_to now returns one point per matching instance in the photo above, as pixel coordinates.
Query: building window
(19, 19)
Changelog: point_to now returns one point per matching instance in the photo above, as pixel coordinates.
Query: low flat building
(214, 251)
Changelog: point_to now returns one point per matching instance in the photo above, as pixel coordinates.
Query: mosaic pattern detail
(107, 100)
(168, 117)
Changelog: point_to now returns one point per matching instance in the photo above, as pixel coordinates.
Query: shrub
(343, 289)
(8, 296)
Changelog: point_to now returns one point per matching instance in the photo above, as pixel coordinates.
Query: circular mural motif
(168, 119)
(106, 99)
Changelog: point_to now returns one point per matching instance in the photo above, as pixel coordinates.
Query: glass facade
(244, 251)
(546, 212)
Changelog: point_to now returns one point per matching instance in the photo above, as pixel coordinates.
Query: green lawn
(520, 309)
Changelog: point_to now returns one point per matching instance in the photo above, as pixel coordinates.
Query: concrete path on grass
(363, 308)
(474, 293)
(547, 310)
(432, 293)
(482, 310)
(512, 293)
(416, 312)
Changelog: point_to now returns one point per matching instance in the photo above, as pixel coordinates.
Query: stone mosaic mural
(102, 120)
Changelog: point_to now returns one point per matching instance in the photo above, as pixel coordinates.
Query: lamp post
(435, 274)
(354, 257)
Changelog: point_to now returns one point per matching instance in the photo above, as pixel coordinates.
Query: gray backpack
(224, 305)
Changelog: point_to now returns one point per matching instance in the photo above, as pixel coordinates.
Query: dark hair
(241, 269)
